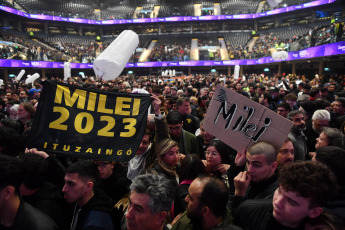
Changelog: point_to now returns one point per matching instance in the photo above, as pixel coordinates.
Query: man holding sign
(245, 124)
(240, 122)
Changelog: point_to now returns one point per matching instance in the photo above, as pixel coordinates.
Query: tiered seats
(236, 39)
(118, 12)
(78, 8)
(239, 7)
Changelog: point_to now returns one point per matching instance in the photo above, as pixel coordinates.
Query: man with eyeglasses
(286, 154)
(186, 140)
(283, 109)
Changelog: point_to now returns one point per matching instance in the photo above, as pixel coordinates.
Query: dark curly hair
(310, 180)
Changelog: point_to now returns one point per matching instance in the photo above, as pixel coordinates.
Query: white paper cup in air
(32, 78)
(110, 63)
(66, 70)
(236, 72)
(20, 75)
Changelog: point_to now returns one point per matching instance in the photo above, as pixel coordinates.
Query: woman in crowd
(219, 157)
(168, 157)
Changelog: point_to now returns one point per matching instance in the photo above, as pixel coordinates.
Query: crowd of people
(173, 52)
(182, 176)
(21, 49)
(264, 46)
(78, 52)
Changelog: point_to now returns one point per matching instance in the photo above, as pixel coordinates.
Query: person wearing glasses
(187, 142)
(219, 157)
(283, 109)
(286, 154)
(171, 126)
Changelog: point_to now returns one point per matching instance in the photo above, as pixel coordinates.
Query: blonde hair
(161, 149)
(193, 100)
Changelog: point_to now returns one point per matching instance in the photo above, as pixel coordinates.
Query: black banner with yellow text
(88, 123)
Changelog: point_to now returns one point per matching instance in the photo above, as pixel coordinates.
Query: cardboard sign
(239, 122)
(80, 122)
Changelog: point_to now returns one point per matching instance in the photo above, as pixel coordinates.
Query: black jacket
(116, 186)
(95, 215)
(260, 190)
(49, 200)
(337, 205)
(258, 215)
(160, 171)
(180, 204)
(30, 218)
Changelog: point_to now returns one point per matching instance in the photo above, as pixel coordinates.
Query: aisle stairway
(223, 51)
(251, 43)
(155, 11)
(146, 53)
(16, 5)
(216, 8)
(194, 50)
(261, 6)
(137, 11)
